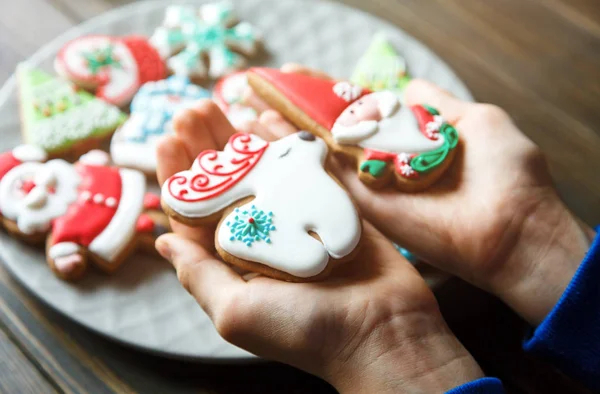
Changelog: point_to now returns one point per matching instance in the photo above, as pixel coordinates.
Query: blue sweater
(570, 335)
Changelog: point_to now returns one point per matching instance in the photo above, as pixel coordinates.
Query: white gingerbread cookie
(188, 34)
(152, 110)
(299, 221)
(86, 211)
(390, 142)
(229, 95)
(113, 67)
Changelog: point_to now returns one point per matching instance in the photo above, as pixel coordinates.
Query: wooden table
(539, 59)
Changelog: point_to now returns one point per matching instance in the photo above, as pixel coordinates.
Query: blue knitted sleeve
(569, 337)
(479, 386)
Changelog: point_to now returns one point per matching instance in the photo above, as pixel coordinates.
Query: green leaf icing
(374, 167)
(99, 58)
(429, 160)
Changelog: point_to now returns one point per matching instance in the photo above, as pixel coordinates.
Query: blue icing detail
(154, 109)
(251, 226)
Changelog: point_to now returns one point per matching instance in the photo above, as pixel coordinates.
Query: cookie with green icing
(381, 67)
(59, 117)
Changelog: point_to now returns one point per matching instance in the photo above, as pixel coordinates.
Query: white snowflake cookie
(189, 34)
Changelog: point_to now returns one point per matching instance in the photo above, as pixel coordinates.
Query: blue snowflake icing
(249, 226)
(152, 105)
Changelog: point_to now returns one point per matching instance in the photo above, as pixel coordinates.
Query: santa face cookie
(85, 211)
(229, 94)
(113, 67)
(61, 119)
(409, 146)
(189, 34)
(299, 221)
(152, 110)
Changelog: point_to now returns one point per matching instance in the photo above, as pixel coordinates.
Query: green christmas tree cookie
(56, 116)
(381, 67)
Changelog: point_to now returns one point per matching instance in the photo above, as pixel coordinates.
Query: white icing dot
(85, 195)
(111, 202)
(29, 153)
(98, 198)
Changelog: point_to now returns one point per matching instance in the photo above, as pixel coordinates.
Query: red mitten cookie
(280, 212)
(85, 211)
(113, 67)
(411, 146)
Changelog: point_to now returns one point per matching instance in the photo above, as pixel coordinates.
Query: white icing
(240, 115)
(121, 230)
(13, 204)
(185, 35)
(36, 198)
(29, 153)
(95, 157)
(75, 124)
(290, 181)
(45, 177)
(141, 156)
(122, 81)
(396, 133)
(234, 87)
(63, 249)
(347, 91)
(134, 144)
(354, 134)
(388, 103)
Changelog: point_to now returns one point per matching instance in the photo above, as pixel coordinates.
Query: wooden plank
(17, 374)
(62, 360)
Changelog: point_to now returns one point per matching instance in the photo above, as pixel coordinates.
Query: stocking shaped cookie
(299, 221)
(409, 146)
(114, 67)
(152, 110)
(86, 212)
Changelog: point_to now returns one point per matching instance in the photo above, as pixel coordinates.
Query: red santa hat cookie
(409, 146)
(86, 211)
(281, 213)
(114, 67)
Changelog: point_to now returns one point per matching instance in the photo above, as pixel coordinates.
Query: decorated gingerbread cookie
(381, 68)
(188, 35)
(113, 67)
(229, 95)
(281, 213)
(391, 142)
(86, 212)
(152, 110)
(61, 119)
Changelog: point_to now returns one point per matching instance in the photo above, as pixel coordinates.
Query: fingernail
(163, 248)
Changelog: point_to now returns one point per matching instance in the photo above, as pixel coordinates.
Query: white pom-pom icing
(26, 153)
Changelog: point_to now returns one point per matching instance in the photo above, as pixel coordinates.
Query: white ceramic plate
(143, 304)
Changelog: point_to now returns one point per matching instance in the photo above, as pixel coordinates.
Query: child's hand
(372, 326)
